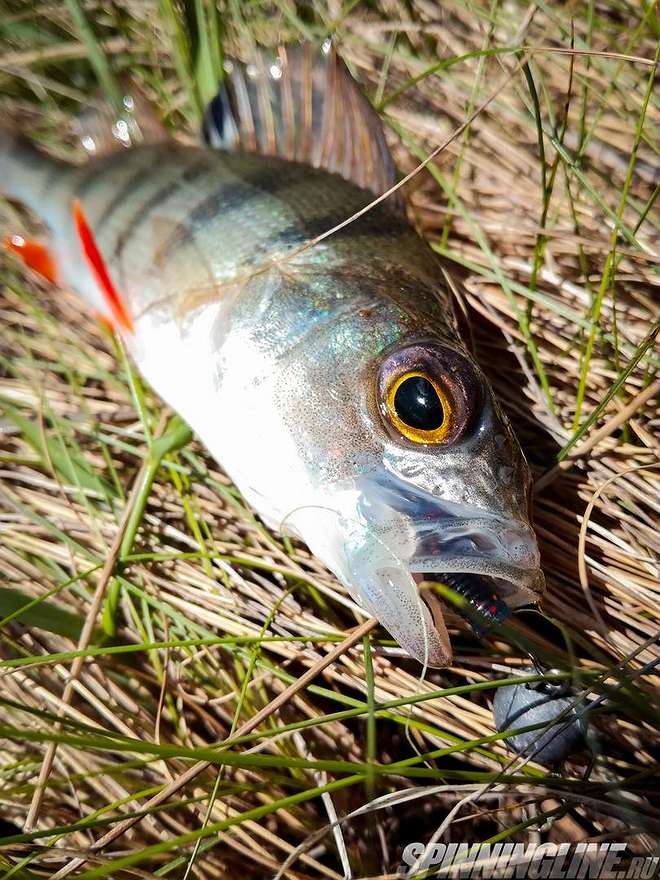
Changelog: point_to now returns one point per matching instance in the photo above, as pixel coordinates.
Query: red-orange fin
(33, 254)
(97, 265)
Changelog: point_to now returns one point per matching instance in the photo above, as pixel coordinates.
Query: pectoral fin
(96, 263)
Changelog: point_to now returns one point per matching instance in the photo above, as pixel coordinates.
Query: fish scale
(284, 357)
(200, 211)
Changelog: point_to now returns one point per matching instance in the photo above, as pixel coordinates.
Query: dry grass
(206, 616)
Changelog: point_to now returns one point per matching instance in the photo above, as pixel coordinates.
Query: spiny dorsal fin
(102, 130)
(301, 104)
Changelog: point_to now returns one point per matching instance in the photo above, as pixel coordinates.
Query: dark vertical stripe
(55, 170)
(256, 182)
(141, 214)
(377, 223)
(128, 187)
(95, 172)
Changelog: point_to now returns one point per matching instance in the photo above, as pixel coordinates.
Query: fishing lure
(329, 381)
(484, 609)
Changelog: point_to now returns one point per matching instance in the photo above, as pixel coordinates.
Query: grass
(147, 616)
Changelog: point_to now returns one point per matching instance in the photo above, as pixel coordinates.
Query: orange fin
(34, 254)
(99, 270)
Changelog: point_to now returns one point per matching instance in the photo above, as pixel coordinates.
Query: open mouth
(486, 561)
(484, 569)
(450, 538)
(415, 617)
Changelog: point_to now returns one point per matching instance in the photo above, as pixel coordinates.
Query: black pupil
(417, 404)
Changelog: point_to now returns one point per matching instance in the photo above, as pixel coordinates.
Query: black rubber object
(520, 705)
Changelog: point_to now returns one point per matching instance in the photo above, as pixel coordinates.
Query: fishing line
(304, 507)
(474, 796)
(386, 800)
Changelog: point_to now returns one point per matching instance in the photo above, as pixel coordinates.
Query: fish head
(443, 491)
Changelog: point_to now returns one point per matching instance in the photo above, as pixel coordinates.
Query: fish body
(329, 381)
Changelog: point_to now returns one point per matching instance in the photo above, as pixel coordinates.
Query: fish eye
(428, 393)
(419, 408)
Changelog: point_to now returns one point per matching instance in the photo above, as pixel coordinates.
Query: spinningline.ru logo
(544, 861)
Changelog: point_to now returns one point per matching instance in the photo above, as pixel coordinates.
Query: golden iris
(419, 408)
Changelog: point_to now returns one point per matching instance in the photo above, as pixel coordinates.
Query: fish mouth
(502, 558)
(448, 537)
(490, 559)
(489, 572)
(489, 562)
